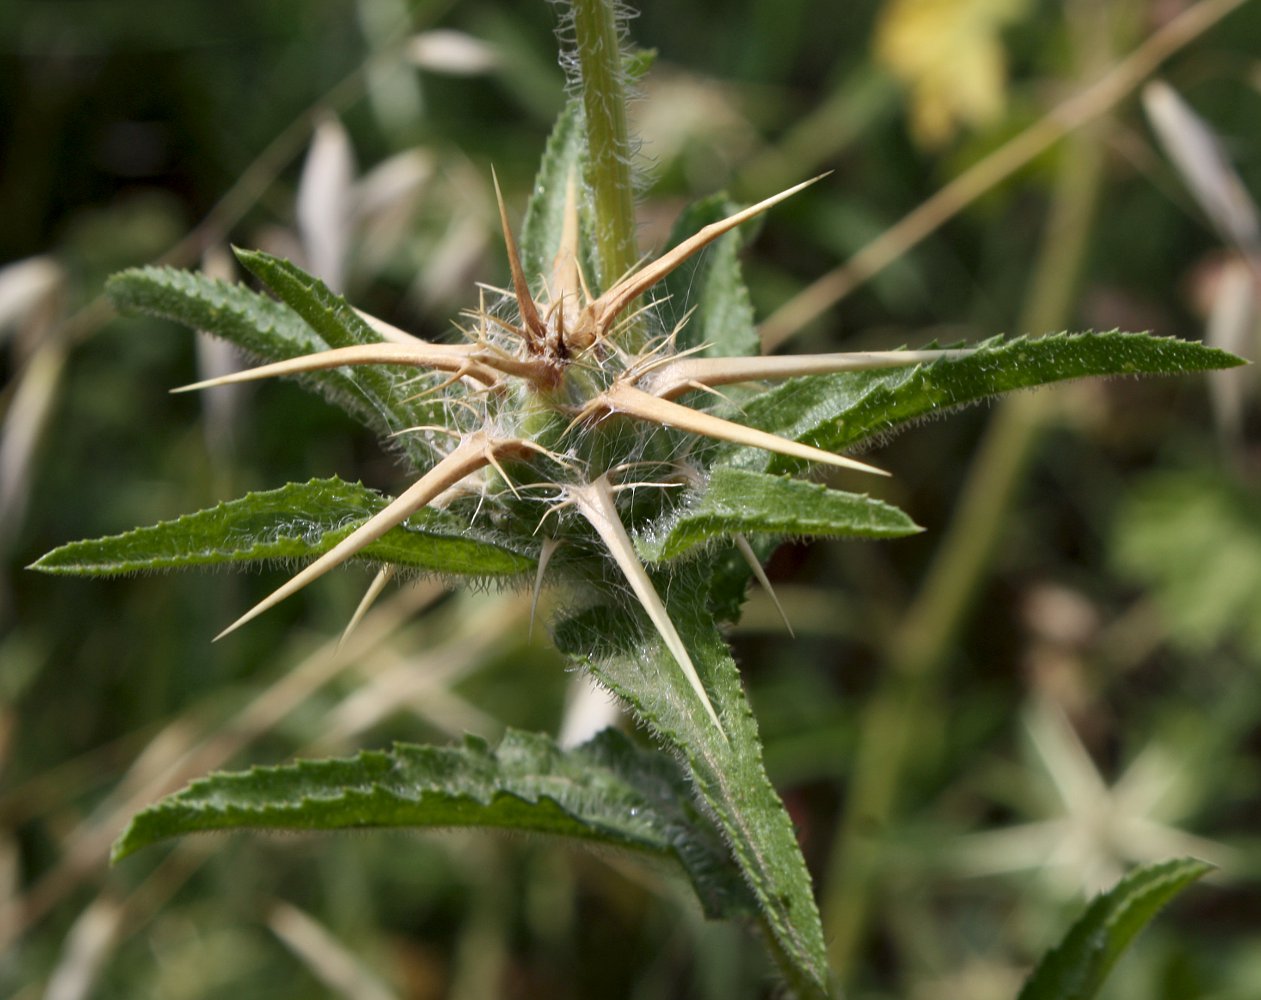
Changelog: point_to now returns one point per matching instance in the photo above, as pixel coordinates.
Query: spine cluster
(550, 410)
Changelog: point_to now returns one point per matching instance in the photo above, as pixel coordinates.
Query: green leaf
(266, 329)
(297, 521)
(328, 313)
(386, 391)
(838, 411)
(736, 501)
(1077, 967)
(608, 792)
(713, 283)
(563, 158)
(261, 325)
(626, 655)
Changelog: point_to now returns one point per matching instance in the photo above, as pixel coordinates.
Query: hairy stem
(599, 51)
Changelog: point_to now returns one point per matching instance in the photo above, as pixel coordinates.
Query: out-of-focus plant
(948, 55)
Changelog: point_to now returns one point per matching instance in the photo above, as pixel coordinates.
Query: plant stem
(902, 710)
(599, 51)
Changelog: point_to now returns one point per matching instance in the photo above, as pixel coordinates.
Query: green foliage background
(1120, 592)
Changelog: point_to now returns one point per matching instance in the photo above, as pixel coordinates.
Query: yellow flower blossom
(949, 56)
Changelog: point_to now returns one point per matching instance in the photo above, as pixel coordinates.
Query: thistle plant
(573, 438)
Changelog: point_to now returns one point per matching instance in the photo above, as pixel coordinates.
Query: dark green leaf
(385, 391)
(607, 792)
(839, 411)
(266, 329)
(545, 213)
(628, 657)
(297, 521)
(1077, 967)
(712, 282)
(735, 501)
(261, 325)
(328, 313)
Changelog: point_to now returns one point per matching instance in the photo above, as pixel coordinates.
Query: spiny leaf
(838, 411)
(384, 391)
(261, 326)
(713, 284)
(1077, 967)
(297, 521)
(327, 312)
(544, 214)
(623, 652)
(607, 792)
(737, 501)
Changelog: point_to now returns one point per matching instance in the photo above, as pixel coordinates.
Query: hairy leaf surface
(835, 412)
(259, 325)
(386, 391)
(297, 521)
(608, 792)
(1077, 967)
(267, 330)
(621, 649)
(545, 213)
(738, 501)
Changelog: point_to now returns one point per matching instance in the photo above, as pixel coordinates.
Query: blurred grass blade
(737, 501)
(607, 792)
(834, 412)
(323, 207)
(31, 295)
(86, 951)
(297, 521)
(454, 53)
(30, 406)
(1077, 967)
(1232, 326)
(327, 957)
(28, 287)
(1196, 152)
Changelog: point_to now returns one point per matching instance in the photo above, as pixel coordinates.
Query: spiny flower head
(566, 414)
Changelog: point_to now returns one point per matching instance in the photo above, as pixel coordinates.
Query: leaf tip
(126, 844)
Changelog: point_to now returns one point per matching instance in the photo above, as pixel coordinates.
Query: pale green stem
(903, 712)
(608, 137)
